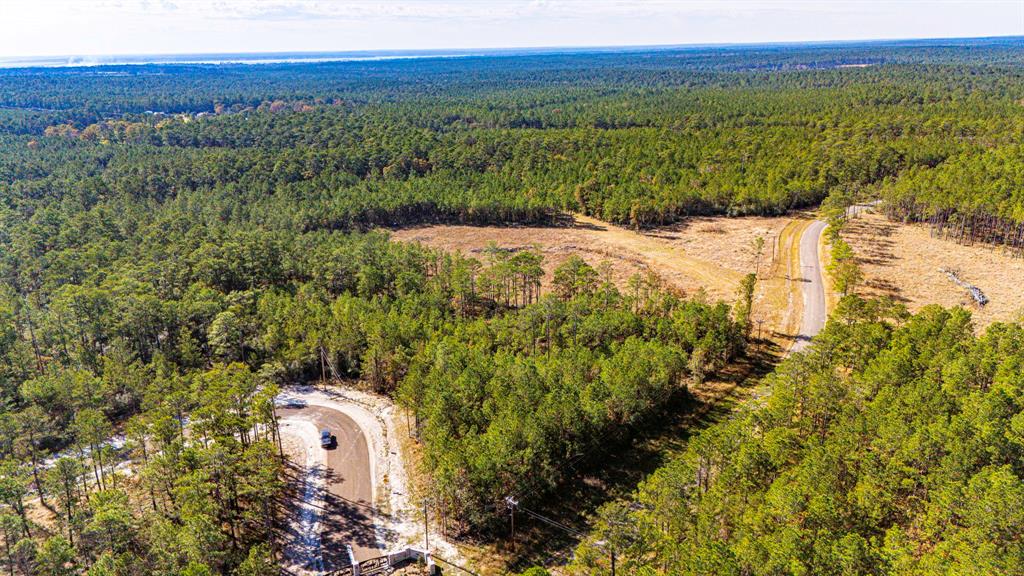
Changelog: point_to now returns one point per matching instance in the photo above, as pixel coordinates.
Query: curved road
(345, 499)
(813, 286)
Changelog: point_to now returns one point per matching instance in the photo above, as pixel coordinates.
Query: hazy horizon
(314, 56)
(54, 28)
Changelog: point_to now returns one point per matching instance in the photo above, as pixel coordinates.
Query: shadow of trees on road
(316, 524)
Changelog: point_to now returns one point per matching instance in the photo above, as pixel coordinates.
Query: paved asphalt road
(347, 517)
(813, 287)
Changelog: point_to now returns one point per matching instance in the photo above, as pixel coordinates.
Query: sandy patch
(905, 262)
(298, 438)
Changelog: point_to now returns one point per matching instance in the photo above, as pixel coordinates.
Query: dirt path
(778, 300)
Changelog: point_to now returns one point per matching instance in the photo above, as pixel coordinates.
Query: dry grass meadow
(903, 261)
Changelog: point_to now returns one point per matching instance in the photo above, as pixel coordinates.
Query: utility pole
(426, 524)
(512, 503)
(323, 368)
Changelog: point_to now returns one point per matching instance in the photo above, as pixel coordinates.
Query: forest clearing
(905, 262)
(703, 253)
(711, 253)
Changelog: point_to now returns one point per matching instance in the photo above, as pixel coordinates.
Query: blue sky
(84, 27)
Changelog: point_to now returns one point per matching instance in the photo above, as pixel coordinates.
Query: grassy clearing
(904, 262)
(710, 254)
(668, 260)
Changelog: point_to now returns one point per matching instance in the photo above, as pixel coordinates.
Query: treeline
(891, 446)
(742, 151)
(973, 197)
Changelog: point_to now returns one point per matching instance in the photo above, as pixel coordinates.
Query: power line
(513, 504)
(552, 522)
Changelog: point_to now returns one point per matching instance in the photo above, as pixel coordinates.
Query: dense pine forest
(893, 446)
(178, 242)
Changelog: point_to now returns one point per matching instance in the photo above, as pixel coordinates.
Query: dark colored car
(326, 440)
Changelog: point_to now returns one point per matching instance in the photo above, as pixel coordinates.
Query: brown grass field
(903, 261)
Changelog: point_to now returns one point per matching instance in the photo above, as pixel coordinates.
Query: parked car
(326, 440)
